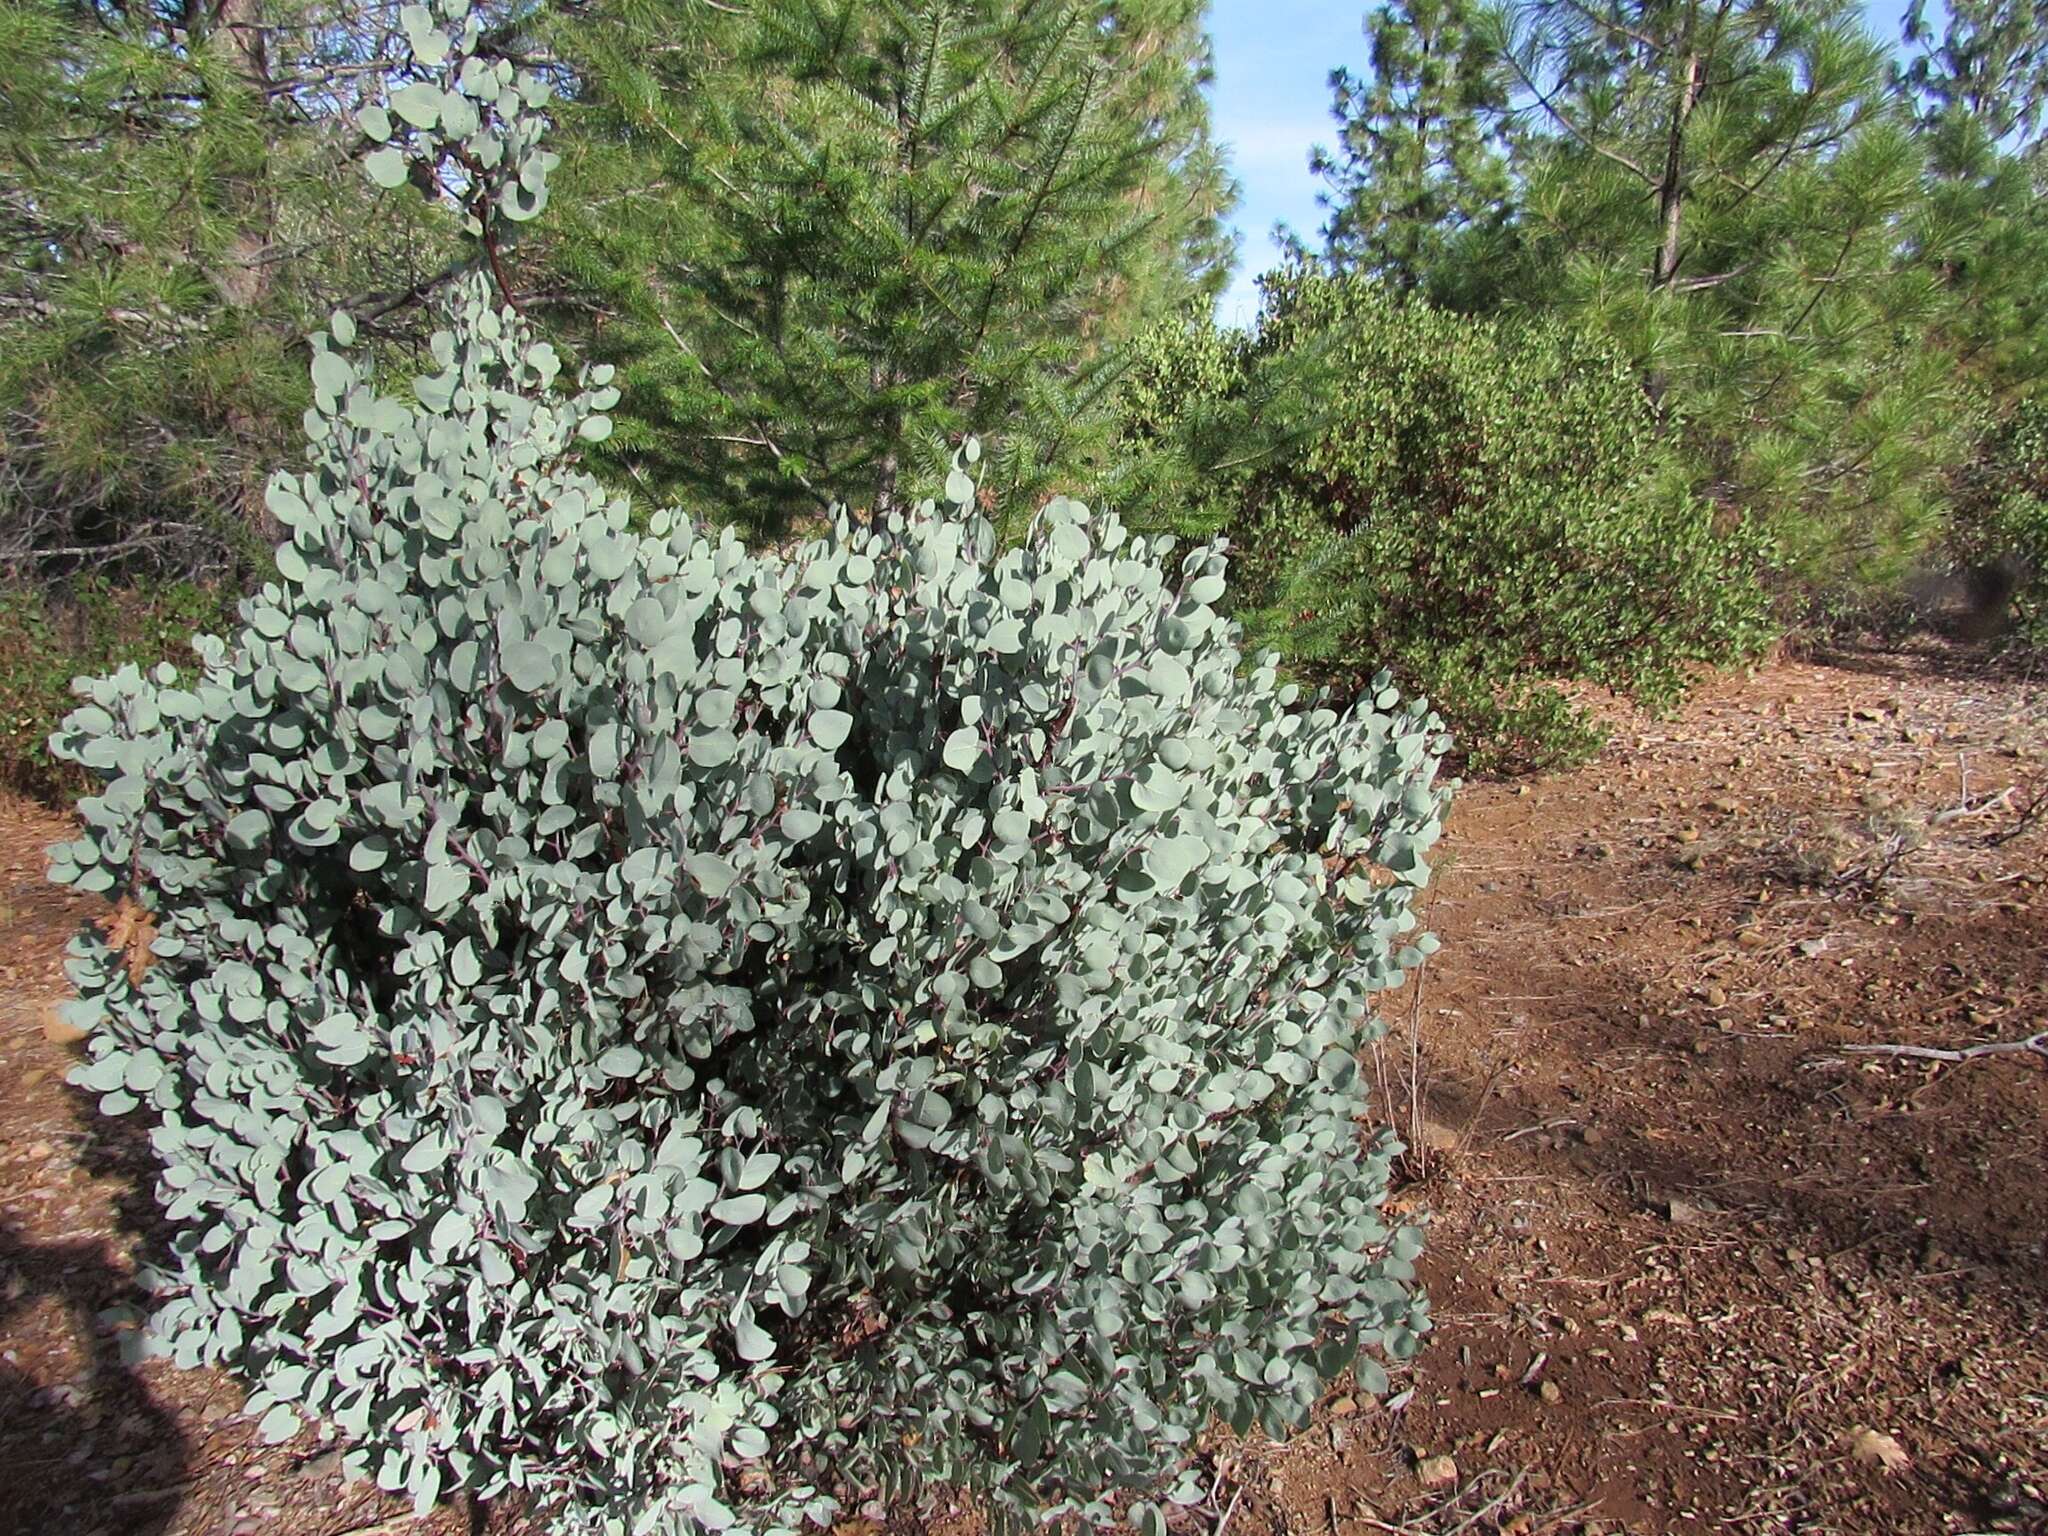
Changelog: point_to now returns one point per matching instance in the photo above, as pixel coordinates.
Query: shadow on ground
(88, 1449)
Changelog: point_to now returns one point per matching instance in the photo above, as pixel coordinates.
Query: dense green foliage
(1421, 159)
(819, 240)
(1998, 537)
(823, 243)
(1728, 191)
(877, 228)
(176, 212)
(1817, 284)
(698, 1034)
(1483, 506)
(1989, 63)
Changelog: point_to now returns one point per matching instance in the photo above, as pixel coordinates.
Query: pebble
(1548, 1391)
(1436, 1471)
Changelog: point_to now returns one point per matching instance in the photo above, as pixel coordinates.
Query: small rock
(1688, 834)
(1548, 1391)
(1436, 1471)
(1752, 938)
(1717, 997)
(1684, 1213)
(1343, 1408)
(1723, 804)
(1438, 1138)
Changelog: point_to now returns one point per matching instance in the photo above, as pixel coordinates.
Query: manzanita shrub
(698, 1035)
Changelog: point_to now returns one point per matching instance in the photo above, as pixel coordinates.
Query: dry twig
(2036, 1044)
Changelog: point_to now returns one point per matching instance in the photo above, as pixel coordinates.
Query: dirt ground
(1701, 1260)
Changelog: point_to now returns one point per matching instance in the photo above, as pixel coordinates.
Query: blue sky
(1271, 101)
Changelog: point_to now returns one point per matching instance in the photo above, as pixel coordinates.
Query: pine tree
(1731, 190)
(1980, 90)
(1421, 157)
(181, 204)
(1984, 235)
(823, 239)
(1990, 63)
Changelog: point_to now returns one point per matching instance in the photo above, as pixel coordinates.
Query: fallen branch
(1974, 808)
(2036, 1045)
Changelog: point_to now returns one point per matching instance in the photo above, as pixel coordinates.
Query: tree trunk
(244, 274)
(244, 278)
(1671, 184)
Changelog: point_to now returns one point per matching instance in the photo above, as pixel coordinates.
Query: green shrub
(49, 638)
(696, 1034)
(1480, 506)
(1998, 527)
(1182, 412)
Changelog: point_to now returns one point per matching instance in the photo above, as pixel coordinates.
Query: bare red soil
(1699, 1262)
